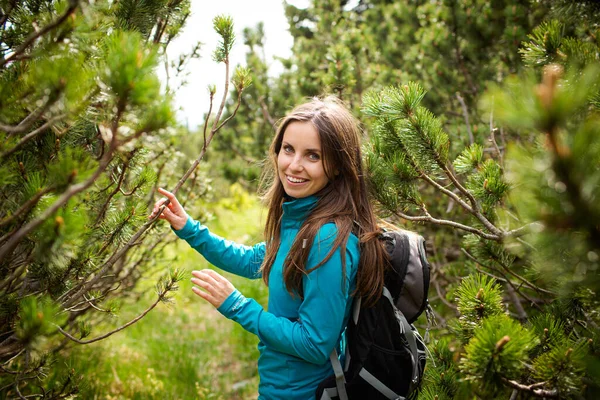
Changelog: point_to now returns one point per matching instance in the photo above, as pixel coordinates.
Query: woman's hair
(343, 201)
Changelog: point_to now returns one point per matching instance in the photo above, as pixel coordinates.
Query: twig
(429, 218)
(441, 297)
(124, 167)
(237, 106)
(533, 389)
(211, 98)
(512, 293)
(466, 116)
(265, 112)
(533, 287)
(133, 321)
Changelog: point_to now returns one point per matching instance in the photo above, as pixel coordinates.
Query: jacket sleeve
(224, 254)
(321, 314)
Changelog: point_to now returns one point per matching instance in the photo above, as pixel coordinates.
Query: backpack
(385, 355)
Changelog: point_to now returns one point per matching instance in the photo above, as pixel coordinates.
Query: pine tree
(531, 238)
(86, 136)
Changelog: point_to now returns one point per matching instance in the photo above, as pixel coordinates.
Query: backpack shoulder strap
(340, 380)
(410, 336)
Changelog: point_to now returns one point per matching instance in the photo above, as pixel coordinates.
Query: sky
(192, 99)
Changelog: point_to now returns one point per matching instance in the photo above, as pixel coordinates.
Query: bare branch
(265, 112)
(225, 93)
(533, 389)
(466, 116)
(507, 270)
(237, 106)
(429, 218)
(447, 192)
(133, 321)
(212, 96)
(28, 120)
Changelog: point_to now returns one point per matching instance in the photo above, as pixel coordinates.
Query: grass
(186, 350)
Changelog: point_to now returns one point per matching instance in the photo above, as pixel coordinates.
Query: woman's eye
(314, 157)
(288, 148)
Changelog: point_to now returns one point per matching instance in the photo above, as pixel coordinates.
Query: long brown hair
(343, 201)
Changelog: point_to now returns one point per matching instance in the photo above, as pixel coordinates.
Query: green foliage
(442, 377)
(223, 25)
(339, 75)
(495, 353)
(564, 366)
(87, 134)
(129, 66)
(478, 297)
(488, 185)
(241, 78)
(38, 317)
(544, 43)
(415, 129)
(470, 159)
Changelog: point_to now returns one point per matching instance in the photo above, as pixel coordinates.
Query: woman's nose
(296, 164)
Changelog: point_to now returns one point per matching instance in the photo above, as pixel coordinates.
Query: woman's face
(300, 161)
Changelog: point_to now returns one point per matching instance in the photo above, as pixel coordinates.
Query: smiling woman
(312, 258)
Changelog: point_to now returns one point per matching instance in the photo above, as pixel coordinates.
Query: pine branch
(71, 191)
(31, 135)
(73, 4)
(28, 205)
(429, 218)
(30, 118)
(476, 207)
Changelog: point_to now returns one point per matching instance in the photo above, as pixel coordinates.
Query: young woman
(320, 250)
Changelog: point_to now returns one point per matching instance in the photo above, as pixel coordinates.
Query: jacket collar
(296, 210)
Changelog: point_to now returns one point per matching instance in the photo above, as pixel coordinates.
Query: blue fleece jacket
(296, 336)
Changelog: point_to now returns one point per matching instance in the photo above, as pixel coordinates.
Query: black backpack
(385, 355)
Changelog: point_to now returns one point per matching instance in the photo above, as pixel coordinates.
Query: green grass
(183, 351)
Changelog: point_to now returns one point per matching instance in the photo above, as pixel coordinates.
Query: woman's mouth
(292, 179)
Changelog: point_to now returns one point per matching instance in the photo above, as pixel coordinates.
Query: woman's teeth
(296, 180)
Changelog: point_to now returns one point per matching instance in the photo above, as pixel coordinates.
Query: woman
(312, 259)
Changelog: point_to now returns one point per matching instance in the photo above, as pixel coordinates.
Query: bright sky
(192, 98)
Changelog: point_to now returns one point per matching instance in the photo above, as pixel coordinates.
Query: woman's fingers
(170, 196)
(216, 288)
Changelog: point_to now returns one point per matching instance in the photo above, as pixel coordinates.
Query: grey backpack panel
(410, 272)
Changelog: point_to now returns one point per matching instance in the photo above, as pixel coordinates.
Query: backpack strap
(329, 394)
(340, 379)
(380, 386)
(410, 336)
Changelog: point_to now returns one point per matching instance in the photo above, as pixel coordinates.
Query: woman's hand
(216, 288)
(173, 213)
